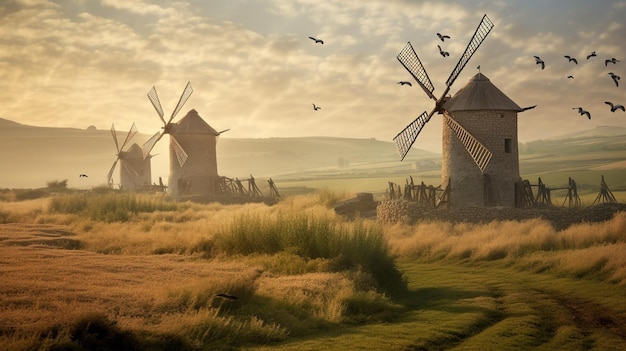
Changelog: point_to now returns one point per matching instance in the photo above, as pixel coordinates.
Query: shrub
(57, 184)
(349, 246)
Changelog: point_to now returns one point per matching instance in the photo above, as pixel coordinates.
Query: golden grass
(582, 249)
(151, 274)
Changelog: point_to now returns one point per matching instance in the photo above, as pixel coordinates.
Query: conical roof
(134, 151)
(192, 123)
(480, 94)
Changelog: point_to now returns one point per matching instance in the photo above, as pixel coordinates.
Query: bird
(539, 61)
(615, 107)
(615, 77)
(443, 37)
(571, 59)
(227, 296)
(593, 54)
(612, 60)
(404, 82)
(317, 41)
(443, 53)
(582, 112)
(316, 107)
(82, 176)
(570, 77)
(528, 108)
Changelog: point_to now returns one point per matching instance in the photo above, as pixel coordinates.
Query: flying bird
(443, 53)
(539, 61)
(317, 41)
(570, 77)
(571, 59)
(615, 107)
(528, 108)
(316, 107)
(227, 296)
(593, 54)
(82, 176)
(582, 112)
(443, 37)
(404, 82)
(615, 77)
(613, 61)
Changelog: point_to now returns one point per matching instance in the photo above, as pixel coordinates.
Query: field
(107, 270)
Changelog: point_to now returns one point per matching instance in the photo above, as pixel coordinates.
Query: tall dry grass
(587, 249)
(147, 271)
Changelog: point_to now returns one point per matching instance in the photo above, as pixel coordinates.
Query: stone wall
(560, 217)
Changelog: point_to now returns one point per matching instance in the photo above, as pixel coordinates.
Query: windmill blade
(408, 58)
(154, 99)
(479, 153)
(405, 139)
(134, 175)
(110, 174)
(483, 29)
(148, 145)
(117, 147)
(181, 155)
(131, 133)
(183, 98)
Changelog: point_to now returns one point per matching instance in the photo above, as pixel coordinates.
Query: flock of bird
(614, 77)
(443, 53)
(539, 61)
(317, 41)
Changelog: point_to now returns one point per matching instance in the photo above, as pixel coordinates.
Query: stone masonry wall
(559, 217)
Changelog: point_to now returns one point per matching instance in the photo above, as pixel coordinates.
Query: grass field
(120, 271)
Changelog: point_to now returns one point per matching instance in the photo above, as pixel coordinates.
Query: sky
(253, 68)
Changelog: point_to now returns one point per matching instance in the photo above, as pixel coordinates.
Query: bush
(57, 184)
(349, 246)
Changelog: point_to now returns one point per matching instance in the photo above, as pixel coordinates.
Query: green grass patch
(110, 207)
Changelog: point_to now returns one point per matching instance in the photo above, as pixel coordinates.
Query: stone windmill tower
(481, 110)
(198, 175)
(193, 161)
(135, 170)
(480, 122)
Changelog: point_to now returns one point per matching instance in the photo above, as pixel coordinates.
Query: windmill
(134, 169)
(193, 159)
(168, 126)
(478, 121)
(411, 62)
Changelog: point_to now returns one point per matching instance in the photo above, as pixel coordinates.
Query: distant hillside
(600, 131)
(36, 155)
(32, 156)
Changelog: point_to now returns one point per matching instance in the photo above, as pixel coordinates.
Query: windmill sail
(148, 145)
(154, 99)
(482, 30)
(408, 58)
(181, 155)
(183, 98)
(479, 153)
(405, 139)
(411, 62)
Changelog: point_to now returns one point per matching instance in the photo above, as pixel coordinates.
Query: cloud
(137, 6)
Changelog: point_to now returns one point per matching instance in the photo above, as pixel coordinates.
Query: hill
(36, 155)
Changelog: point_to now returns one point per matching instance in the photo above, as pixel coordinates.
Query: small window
(507, 145)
